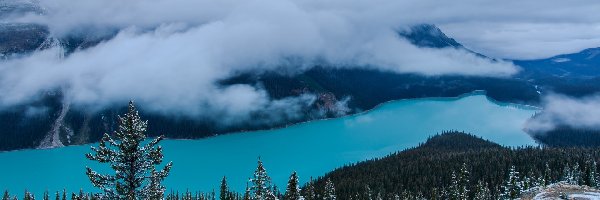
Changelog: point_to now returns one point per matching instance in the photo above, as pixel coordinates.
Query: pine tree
(547, 176)
(463, 182)
(576, 174)
(567, 175)
(309, 191)
(292, 191)
(28, 196)
(483, 192)
(134, 165)
(454, 193)
(329, 191)
(261, 184)
(512, 186)
(247, 193)
(592, 175)
(6, 195)
(368, 193)
(459, 183)
(224, 192)
(276, 192)
(527, 182)
(46, 195)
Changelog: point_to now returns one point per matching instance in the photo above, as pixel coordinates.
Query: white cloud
(511, 29)
(563, 110)
(531, 40)
(170, 54)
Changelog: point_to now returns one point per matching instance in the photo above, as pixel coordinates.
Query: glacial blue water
(311, 148)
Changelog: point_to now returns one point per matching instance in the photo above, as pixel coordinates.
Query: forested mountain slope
(434, 169)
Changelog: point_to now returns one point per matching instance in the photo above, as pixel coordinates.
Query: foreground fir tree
(261, 184)
(293, 189)
(134, 164)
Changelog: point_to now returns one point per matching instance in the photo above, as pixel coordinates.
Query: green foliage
(261, 184)
(427, 169)
(134, 164)
(329, 193)
(292, 191)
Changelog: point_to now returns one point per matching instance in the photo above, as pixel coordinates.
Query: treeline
(435, 169)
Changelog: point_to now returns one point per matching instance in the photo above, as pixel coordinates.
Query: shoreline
(464, 95)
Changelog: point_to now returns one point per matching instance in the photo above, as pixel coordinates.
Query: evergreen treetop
(134, 164)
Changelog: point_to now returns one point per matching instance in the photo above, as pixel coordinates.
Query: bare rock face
(562, 191)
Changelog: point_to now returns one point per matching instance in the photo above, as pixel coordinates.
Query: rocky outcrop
(562, 191)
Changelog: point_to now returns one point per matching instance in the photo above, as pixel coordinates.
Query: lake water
(311, 149)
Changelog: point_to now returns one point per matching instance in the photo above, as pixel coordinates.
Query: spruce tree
(460, 182)
(513, 186)
(567, 175)
(454, 187)
(592, 175)
(46, 195)
(28, 196)
(247, 193)
(309, 191)
(134, 165)
(224, 192)
(329, 193)
(368, 193)
(292, 191)
(483, 192)
(547, 176)
(261, 184)
(576, 174)
(6, 195)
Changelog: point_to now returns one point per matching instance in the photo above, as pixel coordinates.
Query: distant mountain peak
(428, 35)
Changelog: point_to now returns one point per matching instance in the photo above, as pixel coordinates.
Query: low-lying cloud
(511, 29)
(560, 110)
(171, 54)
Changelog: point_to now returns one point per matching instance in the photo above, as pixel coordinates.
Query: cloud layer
(171, 54)
(562, 110)
(504, 29)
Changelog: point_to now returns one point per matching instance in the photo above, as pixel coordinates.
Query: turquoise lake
(311, 148)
